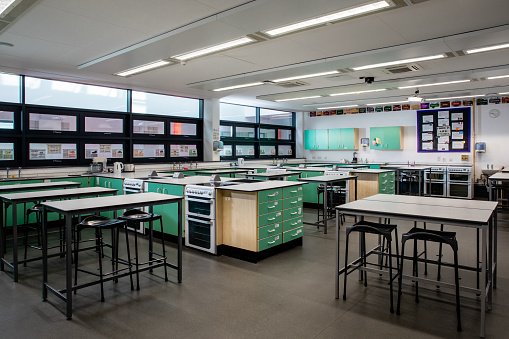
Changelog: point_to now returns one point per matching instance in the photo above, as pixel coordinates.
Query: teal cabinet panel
(348, 138)
(335, 139)
(310, 189)
(322, 139)
(168, 212)
(82, 180)
(309, 139)
(115, 184)
(390, 138)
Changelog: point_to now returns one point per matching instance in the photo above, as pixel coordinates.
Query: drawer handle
(296, 234)
(272, 219)
(272, 206)
(293, 191)
(273, 195)
(293, 202)
(272, 242)
(270, 231)
(294, 213)
(295, 223)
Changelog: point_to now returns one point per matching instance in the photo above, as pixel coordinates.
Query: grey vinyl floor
(289, 295)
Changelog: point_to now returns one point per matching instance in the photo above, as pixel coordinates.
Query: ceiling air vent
(291, 84)
(402, 69)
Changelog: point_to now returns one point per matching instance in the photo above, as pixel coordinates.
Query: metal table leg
(15, 242)
(68, 265)
(336, 271)
(325, 216)
(483, 281)
(179, 259)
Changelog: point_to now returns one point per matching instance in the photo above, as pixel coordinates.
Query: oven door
(435, 176)
(201, 234)
(436, 188)
(128, 190)
(458, 190)
(204, 208)
(459, 177)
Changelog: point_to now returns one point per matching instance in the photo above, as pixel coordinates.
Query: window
(148, 151)
(266, 133)
(150, 103)
(69, 94)
(273, 117)
(110, 151)
(10, 88)
(245, 132)
(180, 128)
(268, 150)
(183, 151)
(6, 120)
(226, 131)
(285, 150)
(104, 125)
(52, 122)
(148, 127)
(52, 151)
(227, 151)
(284, 134)
(244, 150)
(6, 151)
(239, 113)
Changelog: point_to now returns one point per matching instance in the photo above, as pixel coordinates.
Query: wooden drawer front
(269, 242)
(267, 231)
(269, 195)
(270, 218)
(268, 207)
(292, 191)
(292, 202)
(292, 213)
(293, 234)
(290, 224)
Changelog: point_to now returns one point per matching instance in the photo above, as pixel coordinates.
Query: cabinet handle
(270, 231)
(271, 242)
(293, 202)
(157, 190)
(273, 195)
(294, 213)
(295, 223)
(293, 191)
(272, 206)
(272, 219)
(296, 234)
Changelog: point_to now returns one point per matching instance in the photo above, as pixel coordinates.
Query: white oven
(201, 207)
(460, 183)
(436, 182)
(200, 222)
(133, 186)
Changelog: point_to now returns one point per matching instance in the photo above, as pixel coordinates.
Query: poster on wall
(110, 151)
(6, 151)
(444, 130)
(39, 151)
(183, 151)
(148, 151)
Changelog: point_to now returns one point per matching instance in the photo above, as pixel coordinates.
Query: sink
(490, 172)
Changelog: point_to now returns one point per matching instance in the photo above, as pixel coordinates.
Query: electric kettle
(118, 167)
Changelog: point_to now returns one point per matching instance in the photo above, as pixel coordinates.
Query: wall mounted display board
(148, 151)
(183, 151)
(444, 130)
(6, 151)
(110, 151)
(53, 151)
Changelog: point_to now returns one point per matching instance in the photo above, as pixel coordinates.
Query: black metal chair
(384, 230)
(100, 223)
(336, 195)
(134, 217)
(440, 237)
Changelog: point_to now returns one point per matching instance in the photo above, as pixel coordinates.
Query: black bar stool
(37, 209)
(99, 223)
(441, 237)
(133, 217)
(384, 230)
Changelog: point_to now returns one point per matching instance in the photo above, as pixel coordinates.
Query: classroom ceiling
(90, 41)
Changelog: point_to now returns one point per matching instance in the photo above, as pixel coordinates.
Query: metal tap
(7, 172)
(19, 172)
(196, 165)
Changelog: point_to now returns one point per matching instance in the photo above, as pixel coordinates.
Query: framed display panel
(146, 151)
(184, 129)
(444, 130)
(285, 134)
(285, 151)
(267, 151)
(52, 123)
(10, 120)
(226, 131)
(227, 152)
(148, 127)
(245, 132)
(267, 133)
(113, 151)
(187, 151)
(104, 124)
(52, 152)
(10, 154)
(245, 150)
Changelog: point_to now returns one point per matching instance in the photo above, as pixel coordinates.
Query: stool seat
(432, 235)
(373, 228)
(138, 216)
(98, 221)
(37, 208)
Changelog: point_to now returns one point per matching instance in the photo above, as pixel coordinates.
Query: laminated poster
(458, 144)
(443, 114)
(427, 146)
(427, 136)
(443, 147)
(445, 104)
(434, 104)
(456, 103)
(405, 107)
(427, 119)
(424, 105)
(443, 122)
(443, 140)
(457, 126)
(457, 135)
(427, 128)
(456, 116)
(312, 114)
(444, 131)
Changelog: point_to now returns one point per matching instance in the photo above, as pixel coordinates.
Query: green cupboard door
(376, 133)
(348, 138)
(322, 139)
(158, 209)
(310, 192)
(170, 211)
(392, 137)
(335, 139)
(310, 139)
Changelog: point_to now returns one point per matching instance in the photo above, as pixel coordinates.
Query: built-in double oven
(200, 225)
(436, 182)
(459, 182)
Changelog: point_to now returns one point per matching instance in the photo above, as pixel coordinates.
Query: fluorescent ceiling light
(301, 98)
(4, 5)
(237, 86)
(498, 77)
(462, 97)
(387, 103)
(371, 7)
(486, 49)
(399, 62)
(346, 106)
(503, 93)
(306, 76)
(213, 49)
(436, 84)
(358, 92)
(415, 99)
(143, 68)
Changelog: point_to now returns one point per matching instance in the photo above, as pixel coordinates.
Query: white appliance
(346, 189)
(435, 183)
(118, 167)
(132, 186)
(460, 182)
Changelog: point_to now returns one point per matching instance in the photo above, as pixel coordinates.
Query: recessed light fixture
(237, 86)
(143, 68)
(359, 92)
(436, 84)
(503, 93)
(213, 49)
(387, 103)
(346, 106)
(4, 6)
(301, 98)
(461, 97)
(400, 62)
(498, 77)
(486, 49)
(370, 7)
(306, 76)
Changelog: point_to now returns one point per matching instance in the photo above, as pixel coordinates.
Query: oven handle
(131, 190)
(201, 200)
(200, 221)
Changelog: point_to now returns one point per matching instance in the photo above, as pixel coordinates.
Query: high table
(501, 177)
(69, 208)
(433, 210)
(328, 180)
(222, 171)
(419, 169)
(272, 175)
(37, 186)
(25, 197)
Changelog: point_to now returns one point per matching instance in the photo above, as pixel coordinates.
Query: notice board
(444, 130)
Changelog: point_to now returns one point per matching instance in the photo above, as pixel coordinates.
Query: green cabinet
(344, 139)
(310, 189)
(316, 139)
(114, 183)
(21, 212)
(168, 212)
(386, 138)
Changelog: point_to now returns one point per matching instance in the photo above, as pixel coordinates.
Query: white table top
(271, 174)
(434, 201)
(56, 194)
(500, 176)
(222, 171)
(108, 203)
(328, 178)
(260, 186)
(410, 168)
(37, 186)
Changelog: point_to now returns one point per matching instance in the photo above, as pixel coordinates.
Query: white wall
(495, 132)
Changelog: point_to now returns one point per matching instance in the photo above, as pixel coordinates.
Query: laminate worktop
(260, 186)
